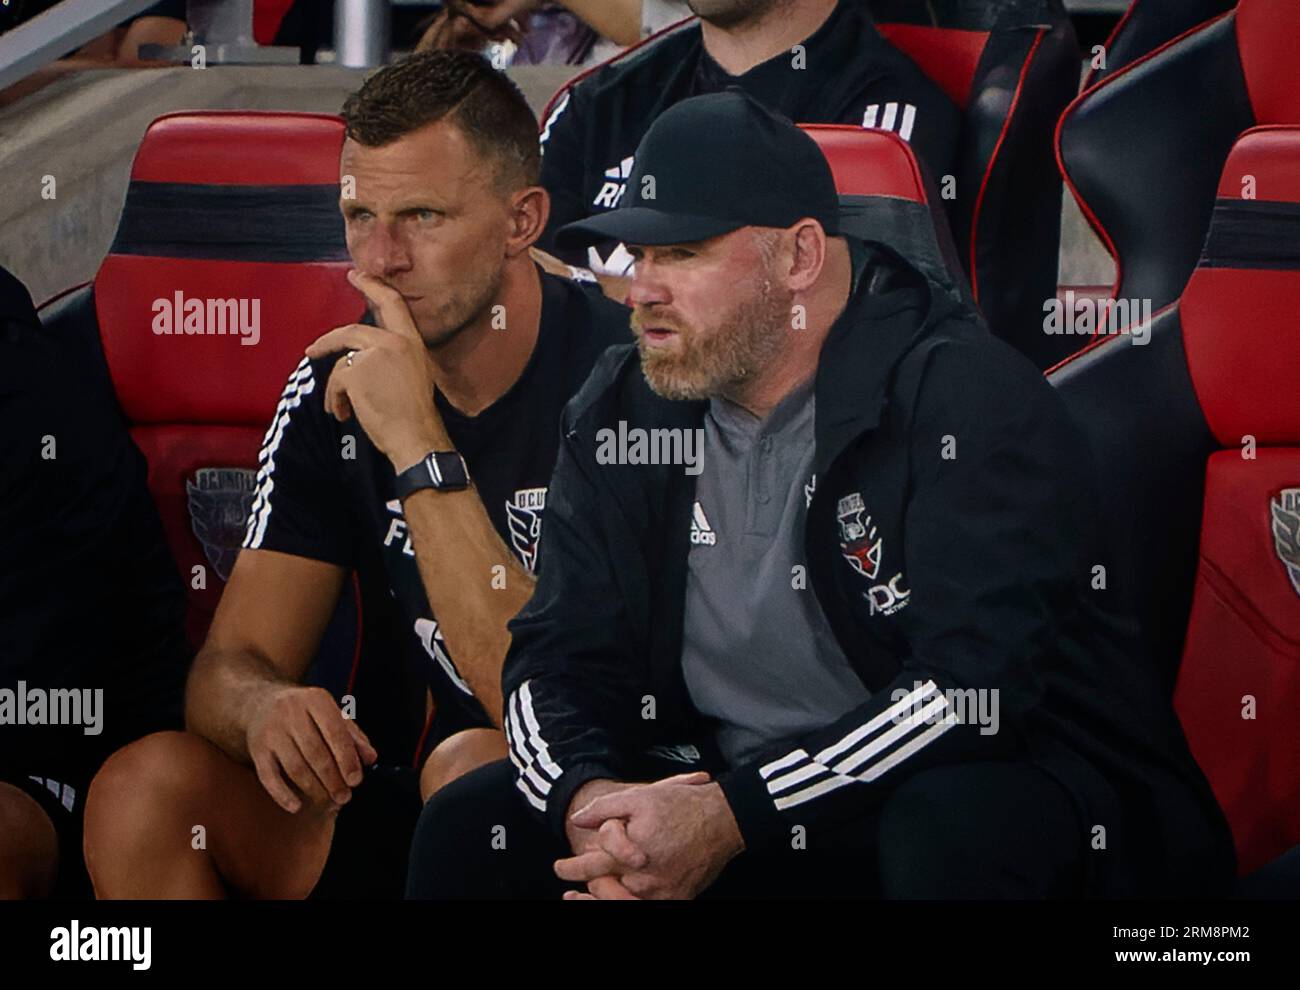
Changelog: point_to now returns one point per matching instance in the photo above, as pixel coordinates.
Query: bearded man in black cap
(856, 651)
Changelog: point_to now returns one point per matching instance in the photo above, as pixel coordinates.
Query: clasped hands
(664, 840)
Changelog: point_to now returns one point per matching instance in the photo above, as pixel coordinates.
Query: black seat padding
(1148, 24)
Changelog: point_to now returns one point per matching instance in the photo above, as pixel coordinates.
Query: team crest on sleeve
(1286, 532)
(219, 500)
(858, 540)
(863, 548)
(524, 516)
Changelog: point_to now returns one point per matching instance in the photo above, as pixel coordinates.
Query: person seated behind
(860, 651)
(540, 32)
(161, 24)
(813, 61)
(92, 645)
(364, 468)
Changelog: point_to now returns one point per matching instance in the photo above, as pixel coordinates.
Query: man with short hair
(416, 453)
(813, 61)
(860, 653)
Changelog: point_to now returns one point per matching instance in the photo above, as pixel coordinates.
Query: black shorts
(372, 838)
(64, 806)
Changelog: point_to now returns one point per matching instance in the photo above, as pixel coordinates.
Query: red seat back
(229, 259)
(884, 197)
(1239, 684)
(1195, 426)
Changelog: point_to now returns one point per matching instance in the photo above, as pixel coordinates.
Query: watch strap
(442, 470)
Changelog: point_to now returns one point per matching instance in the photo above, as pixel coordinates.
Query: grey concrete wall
(84, 130)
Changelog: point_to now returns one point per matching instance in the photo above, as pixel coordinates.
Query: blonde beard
(721, 359)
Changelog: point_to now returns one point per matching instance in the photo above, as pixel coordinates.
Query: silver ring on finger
(348, 358)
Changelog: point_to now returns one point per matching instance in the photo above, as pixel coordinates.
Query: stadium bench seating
(1142, 150)
(1198, 432)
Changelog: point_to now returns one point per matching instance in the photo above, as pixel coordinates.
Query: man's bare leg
(457, 755)
(29, 847)
(147, 804)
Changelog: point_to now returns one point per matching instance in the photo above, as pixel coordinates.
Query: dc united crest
(219, 500)
(858, 540)
(1286, 532)
(524, 516)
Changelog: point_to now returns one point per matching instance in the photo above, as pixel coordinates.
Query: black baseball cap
(710, 165)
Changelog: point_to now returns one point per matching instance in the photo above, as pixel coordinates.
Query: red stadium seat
(221, 206)
(885, 196)
(1198, 431)
(1243, 642)
(1011, 67)
(1142, 150)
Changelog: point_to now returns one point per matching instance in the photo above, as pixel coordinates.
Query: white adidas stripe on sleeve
(897, 117)
(554, 116)
(301, 383)
(530, 784)
(528, 750)
(909, 121)
(863, 754)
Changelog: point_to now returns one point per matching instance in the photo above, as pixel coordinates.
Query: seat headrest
(1267, 31)
(869, 162)
(885, 197)
(1241, 308)
(243, 147)
(229, 258)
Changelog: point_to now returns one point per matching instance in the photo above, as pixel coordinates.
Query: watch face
(440, 470)
(448, 470)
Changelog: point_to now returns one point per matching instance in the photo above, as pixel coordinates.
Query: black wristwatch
(442, 469)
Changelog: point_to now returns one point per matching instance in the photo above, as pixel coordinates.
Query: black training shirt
(846, 74)
(313, 500)
(90, 598)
